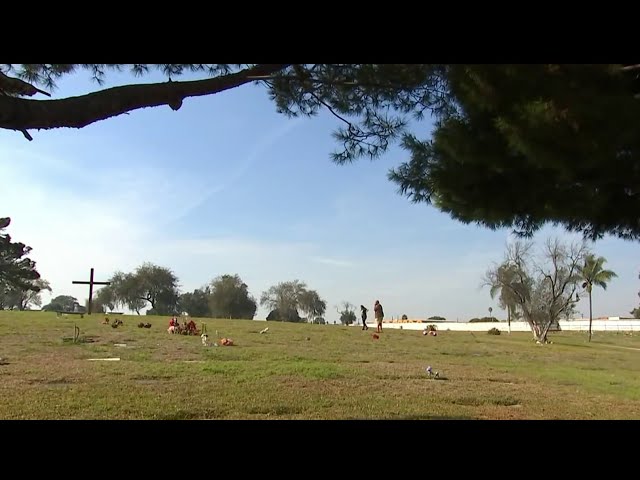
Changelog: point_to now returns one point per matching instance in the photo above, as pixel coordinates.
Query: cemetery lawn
(301, 371)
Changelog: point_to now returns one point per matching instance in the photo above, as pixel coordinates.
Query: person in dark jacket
(364, 311)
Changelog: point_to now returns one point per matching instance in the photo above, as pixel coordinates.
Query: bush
(347, 317)
(284, 316)
(494, 331)
(483, 319)
(404, 317)
(436, 317)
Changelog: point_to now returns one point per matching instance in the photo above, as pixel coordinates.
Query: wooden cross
(91, 283)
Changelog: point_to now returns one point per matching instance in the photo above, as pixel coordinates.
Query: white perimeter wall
(565, 325)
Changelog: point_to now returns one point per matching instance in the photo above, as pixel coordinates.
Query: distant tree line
(156, 288)
(226, 296)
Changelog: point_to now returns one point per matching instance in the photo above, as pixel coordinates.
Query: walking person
(364, 311)
(379, 314)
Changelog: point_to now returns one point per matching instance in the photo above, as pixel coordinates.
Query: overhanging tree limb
(77, 112)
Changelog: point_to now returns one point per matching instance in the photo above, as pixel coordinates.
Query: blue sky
(227, 185)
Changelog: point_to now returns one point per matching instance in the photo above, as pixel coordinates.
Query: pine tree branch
(77, 112)
(15, 86)
(331, 110)
(334, 82)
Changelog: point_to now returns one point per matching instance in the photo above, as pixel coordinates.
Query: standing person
(379, 314)
(364, 311)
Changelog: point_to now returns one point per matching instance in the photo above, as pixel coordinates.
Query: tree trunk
(534, 329)
(590, 313)
(539, 332)
(542, 338)
(509, 319)
(532, 326)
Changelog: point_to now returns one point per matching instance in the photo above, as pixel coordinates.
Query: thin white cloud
(334, 262)
(241, 166)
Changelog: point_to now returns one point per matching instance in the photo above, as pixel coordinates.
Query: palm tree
(505, 275)
(593, 273)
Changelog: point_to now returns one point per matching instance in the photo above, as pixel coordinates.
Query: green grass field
(300, 371)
